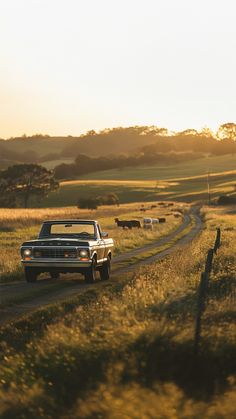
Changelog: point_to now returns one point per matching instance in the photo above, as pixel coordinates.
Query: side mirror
(103, 235)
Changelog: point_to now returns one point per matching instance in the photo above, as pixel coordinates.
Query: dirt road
(20, 298)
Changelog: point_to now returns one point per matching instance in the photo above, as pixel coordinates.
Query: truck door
(101, 244)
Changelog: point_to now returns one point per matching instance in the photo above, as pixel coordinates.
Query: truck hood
(57, 241)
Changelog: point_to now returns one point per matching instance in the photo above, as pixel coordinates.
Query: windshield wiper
(86, 234)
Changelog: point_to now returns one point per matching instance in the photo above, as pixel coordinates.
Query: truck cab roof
(70, 221)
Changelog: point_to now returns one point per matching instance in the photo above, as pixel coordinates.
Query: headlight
(26, 252)
(83, 253)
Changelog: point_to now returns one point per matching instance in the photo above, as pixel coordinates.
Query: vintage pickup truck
(68, 246)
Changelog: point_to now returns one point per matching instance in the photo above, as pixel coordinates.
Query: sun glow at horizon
(71, 66)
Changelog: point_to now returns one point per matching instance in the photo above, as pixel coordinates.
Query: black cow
(136, 223)
(162, 220)
(127, 223)
(123, 223)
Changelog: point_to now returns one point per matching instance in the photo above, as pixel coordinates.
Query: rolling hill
(51, 151)
(183, 182)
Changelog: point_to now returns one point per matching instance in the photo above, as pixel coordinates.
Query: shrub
(88, 203)
(94, 202)
(226, 200)
(109, 199)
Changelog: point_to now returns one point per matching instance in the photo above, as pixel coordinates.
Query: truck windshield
(68, 229)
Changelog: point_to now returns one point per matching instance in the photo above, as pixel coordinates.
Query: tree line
(84, 164)
(187, 145)
(116, 141)
(18, 183)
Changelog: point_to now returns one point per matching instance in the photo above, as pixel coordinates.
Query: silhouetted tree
(109, 199)
(88, 203)
(95, 202)
(20, 182)
(227, 131)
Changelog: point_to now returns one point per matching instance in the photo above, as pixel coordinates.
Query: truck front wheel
(105, 270)
(90, 274)
(30, 274)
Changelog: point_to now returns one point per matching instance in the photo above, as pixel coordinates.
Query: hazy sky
(67, 66)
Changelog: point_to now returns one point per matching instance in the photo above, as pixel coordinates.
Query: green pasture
(189, 190)
(159, 172)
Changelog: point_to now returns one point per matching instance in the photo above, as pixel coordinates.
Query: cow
(147, 224)
(153, 206)
(123, 223)
(147, 220)
(162, 220)
(135, 223)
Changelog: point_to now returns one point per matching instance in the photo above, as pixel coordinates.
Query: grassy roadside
(128, 352)
(152, 252)
(19, 333)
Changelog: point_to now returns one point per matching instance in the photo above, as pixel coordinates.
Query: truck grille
(56, 253)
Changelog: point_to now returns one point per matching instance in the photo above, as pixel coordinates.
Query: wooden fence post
(209, 260)
(200, 308)
(217, 241)
(202, 292)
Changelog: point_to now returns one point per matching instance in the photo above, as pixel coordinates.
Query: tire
(54, 275)
(105, 270)
(90, 274)
(30, 274)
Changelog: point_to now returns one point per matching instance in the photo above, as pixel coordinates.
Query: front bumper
(56, 264)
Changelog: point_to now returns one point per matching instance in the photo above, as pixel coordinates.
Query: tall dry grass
(11, 219)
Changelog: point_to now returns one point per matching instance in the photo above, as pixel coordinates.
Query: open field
(126, 350)
(158, 172)
(189, 189)
(181, 182)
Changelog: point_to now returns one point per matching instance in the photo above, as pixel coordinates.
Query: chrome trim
(55, 247)
(77, 248)
(101, 260)
(58, 264)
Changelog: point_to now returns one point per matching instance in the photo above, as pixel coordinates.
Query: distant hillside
(116, 142)
(38, 144)
(110, 141)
